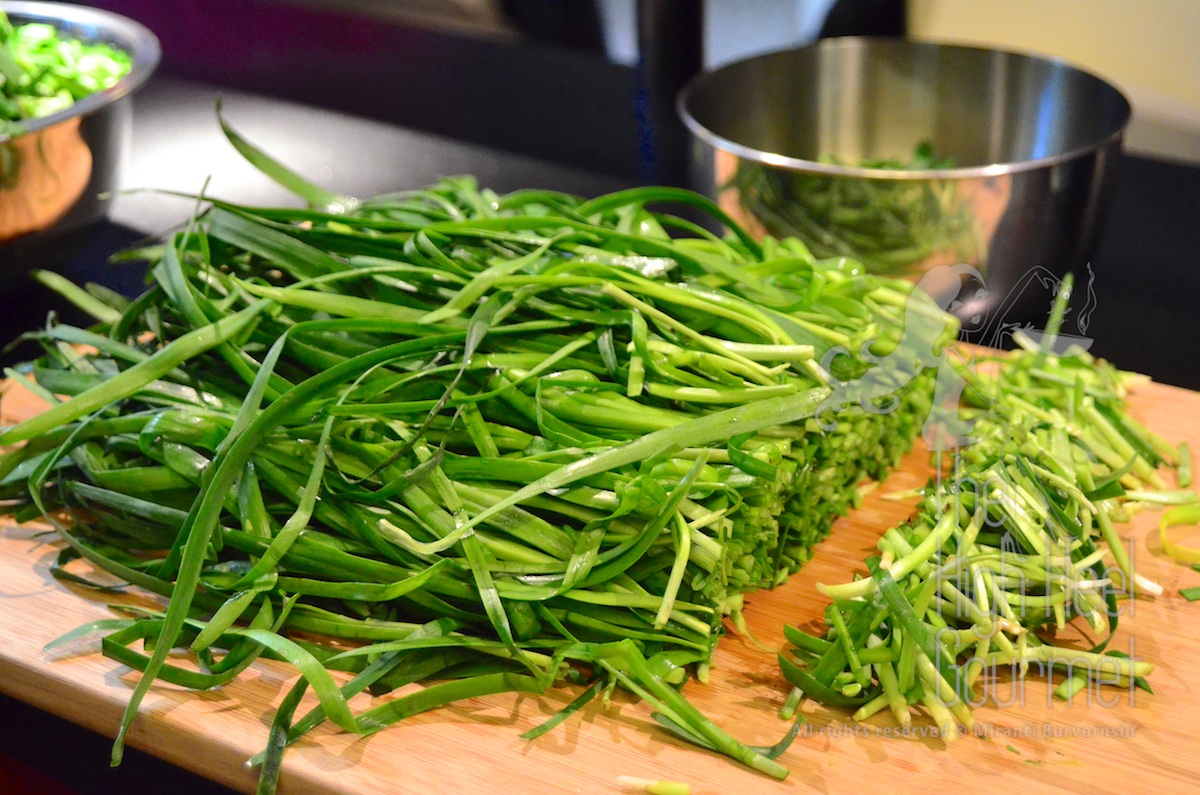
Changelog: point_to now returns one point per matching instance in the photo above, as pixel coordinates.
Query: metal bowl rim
(859, 172)
(145, 52)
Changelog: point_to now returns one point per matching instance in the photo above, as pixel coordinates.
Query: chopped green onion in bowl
(891, 226)
(41, 72)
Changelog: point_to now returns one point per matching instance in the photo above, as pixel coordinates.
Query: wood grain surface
(1111, 740)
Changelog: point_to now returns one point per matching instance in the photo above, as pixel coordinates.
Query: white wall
(1150, 49)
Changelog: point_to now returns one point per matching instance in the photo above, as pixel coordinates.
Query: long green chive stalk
(1015, 537)
(500, 443)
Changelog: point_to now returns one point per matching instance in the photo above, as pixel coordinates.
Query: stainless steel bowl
(57, 171)
(779, 140)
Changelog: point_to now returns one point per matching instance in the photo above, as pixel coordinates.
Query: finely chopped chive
(42, 72)
(1014, 536)
(1191, 594)
(485, 443)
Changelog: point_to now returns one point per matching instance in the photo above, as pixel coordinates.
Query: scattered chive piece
(1070, 686)
(788, 710)
(1180, 516)
(1014, 750)
(1184, 472)
(1191, 594)
(634, 784)
(1140, 681)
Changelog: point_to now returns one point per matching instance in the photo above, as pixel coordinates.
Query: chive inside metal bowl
(907, 156)
(57, 169)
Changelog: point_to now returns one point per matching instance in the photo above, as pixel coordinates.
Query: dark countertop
(1147, 287)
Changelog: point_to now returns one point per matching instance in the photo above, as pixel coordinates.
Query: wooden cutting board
(1111, 740)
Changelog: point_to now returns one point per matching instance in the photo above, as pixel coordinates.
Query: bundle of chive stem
(499, 443)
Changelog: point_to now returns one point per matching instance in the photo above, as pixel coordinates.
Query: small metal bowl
(56, 172)
(779, 139)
